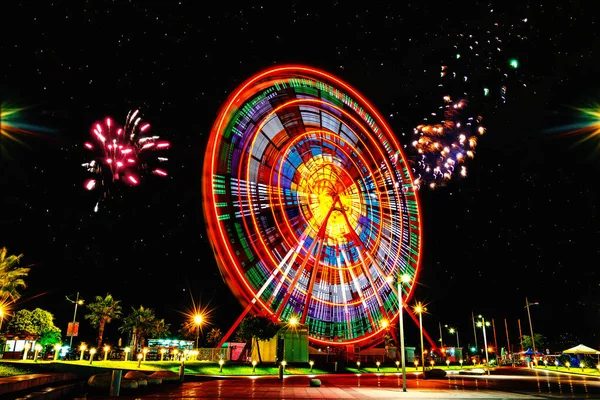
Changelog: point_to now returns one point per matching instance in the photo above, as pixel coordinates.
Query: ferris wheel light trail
(310, 205)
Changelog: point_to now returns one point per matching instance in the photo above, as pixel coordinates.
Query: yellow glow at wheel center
(321, 192)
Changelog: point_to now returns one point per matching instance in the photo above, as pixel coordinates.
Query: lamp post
(57, 348)
(162, 354)
(92, 353)
(483, 324)
(38, 348)
(126, 350)
(453, 331)
(83, 347)
(402, 279)
(198, 322)
(106, 349)
(527, 304)
(77, 302)
(420, 309)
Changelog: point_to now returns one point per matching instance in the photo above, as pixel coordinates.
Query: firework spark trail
(122, 154)
(478, 71)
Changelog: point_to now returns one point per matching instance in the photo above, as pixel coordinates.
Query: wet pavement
(505, 383)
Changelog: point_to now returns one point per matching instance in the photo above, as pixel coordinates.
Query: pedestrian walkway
(17, 383)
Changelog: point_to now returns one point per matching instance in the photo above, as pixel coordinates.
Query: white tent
(581, 349)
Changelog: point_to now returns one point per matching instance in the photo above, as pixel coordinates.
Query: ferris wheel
(310, 205)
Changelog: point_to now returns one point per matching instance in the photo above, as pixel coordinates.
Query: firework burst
(122, 154)
(444, 147)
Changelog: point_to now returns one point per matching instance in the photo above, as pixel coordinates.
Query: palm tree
(214, 336)
(140, 322)
(101, 312)
(11, 276)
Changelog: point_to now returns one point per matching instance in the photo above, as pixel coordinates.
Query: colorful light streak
(589, 127)
(310, 205)
(12, 126)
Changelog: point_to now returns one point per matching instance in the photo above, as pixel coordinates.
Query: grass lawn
(11, 370)
(572, 370)
(191, 367)
(209, 368)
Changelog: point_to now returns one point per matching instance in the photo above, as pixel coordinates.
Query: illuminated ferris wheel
(310, 206)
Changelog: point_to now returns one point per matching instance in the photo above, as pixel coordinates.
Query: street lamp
(198, 322)
(106, 348)
(420, 309)
(82, 347)
(403, 279)
(1, 317)
(527, 304)
(92, 352)
(453, 331)
(57, 348)
(483, 324)
(77, 302)
(127, 350)
(162, 354)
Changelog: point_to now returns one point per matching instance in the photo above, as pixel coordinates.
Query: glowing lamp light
(358, 364)
(397, 365)
(140, 356)
(384, 324)
(311, 363)
(389, 279)
(254, 366)
(405, 278)
(293, 321)
(448, 363)
(221, 362)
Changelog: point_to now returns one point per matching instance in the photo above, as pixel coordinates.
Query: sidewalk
(18, 383)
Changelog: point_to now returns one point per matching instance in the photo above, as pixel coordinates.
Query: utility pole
(508, 342)
(474, 331)
(520, 335)
(495, 341)
(527, 304)
(441, 339)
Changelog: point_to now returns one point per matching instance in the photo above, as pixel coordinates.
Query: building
(16, 343)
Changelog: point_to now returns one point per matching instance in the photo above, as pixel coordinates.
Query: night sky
(525, 222)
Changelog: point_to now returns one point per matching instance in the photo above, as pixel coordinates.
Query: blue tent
(529, 352)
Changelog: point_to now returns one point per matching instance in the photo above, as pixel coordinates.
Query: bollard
(281, 372)
(115, 382)
(181, 371)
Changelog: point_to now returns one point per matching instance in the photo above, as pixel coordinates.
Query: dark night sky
(525, 222)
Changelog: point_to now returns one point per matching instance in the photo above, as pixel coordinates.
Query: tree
(540, 342)
(142, 323)
(188, 330)
(257, 328)
(37, 322)
(214, 336)
(101, 312)
(11, 275)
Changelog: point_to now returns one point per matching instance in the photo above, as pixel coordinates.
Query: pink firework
(123, 154)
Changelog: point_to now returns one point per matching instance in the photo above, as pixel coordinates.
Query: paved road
(506, 383)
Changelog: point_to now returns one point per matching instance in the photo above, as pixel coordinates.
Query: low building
(289, 344)
(16, 343)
